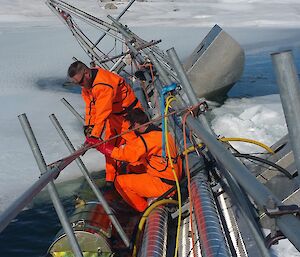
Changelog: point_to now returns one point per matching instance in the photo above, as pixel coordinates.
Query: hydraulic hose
(246, 140)
(144, 218)
(255, 158)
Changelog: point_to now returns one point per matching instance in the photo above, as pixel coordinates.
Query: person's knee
(120, 181)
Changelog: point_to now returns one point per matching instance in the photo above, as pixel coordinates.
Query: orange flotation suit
(159, 177)
(106, 103)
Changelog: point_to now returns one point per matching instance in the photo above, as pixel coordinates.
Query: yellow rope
(168, 102)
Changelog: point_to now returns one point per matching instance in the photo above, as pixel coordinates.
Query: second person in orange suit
(146, 147)
(107, 99)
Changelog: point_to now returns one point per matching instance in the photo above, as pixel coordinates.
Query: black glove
(87, 130)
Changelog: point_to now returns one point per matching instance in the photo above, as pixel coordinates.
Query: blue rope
(164, 91)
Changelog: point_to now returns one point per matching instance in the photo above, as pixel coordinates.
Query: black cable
(190, 251)
(274, 165)
(263, 165)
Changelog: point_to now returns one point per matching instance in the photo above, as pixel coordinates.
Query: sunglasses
(80, 81)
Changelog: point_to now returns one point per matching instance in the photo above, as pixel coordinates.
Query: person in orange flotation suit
(145, 147)
(107, 99)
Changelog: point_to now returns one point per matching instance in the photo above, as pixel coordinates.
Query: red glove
(92, 141)
(105, 148)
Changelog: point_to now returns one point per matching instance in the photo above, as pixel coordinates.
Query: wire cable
(168, 102)
(274, 165)
(189, 181)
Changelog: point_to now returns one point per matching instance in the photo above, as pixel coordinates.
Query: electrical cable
(246, 140)
(168, 102)
(274, 165)
(188, 179)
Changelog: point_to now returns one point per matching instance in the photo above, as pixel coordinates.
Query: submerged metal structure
(229, 201)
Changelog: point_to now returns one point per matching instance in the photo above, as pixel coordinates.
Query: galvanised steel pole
(121, 30)
(13, 210)
(93, 186)
(118, 18)
(186, 85)
(288, 224)
(289, 88)
(79, 13)
(201, 198)
(72, 110)
(51, 187)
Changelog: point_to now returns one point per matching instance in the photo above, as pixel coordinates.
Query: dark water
(57, 84)
(32, 231)
(259, 77)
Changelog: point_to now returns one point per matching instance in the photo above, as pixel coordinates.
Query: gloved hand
(105, 148)
(87, 130)
(92, 140)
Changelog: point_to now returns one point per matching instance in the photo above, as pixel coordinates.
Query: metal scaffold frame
(166, 76)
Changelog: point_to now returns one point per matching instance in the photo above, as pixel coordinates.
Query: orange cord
(188, 176)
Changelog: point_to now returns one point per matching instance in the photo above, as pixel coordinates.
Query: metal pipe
(91, 183)
(71, 25)
(186, 85)
(155, 234)
(51, 187)
(71, 108)
(86, 46)
(242, 201)
(203, 193)
(67, 7)
(289, 88)
(163, 74)
(118, 18)
(288, 224)
(123, 54)
(119, 26)
(13, 210)
(210, 230)
(118, 65)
